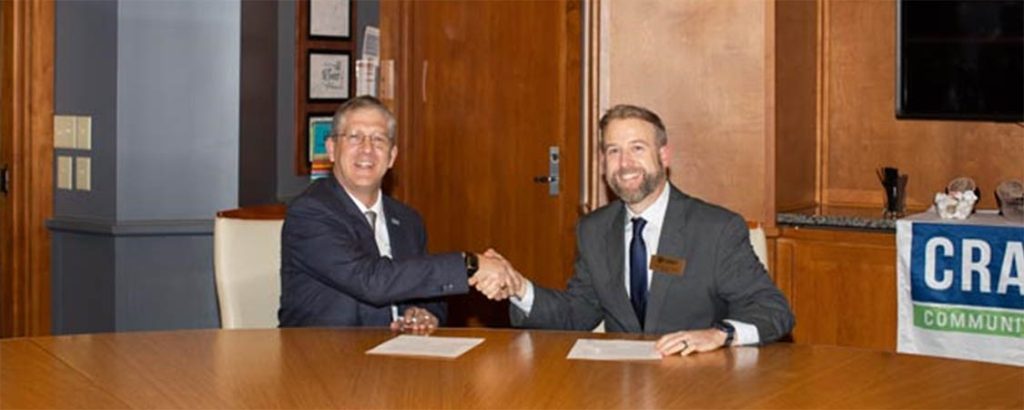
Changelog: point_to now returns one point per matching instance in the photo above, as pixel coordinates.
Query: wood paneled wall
(705, 68)
(26, 148)
(857, 128)
(796, 125)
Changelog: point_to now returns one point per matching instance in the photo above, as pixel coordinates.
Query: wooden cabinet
(841, 284)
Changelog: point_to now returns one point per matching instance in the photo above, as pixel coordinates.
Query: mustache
(622, 171)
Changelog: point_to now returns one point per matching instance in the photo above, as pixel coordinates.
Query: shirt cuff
(526, 302)
(746, 333)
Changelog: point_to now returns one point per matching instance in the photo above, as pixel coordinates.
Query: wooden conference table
(327, 368)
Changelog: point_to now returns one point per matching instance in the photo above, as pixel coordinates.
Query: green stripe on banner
(987, 322)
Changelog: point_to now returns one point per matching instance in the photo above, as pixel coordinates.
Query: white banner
(960, 287)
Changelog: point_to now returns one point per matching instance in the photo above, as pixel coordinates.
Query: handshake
(496, 278)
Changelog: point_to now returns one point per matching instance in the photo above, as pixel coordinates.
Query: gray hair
(626, 111)
(363, 102)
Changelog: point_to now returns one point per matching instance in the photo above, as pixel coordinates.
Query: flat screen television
(960, 59)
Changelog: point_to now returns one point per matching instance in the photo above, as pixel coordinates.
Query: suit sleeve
(746, 287)
(323, 245)
(436, 306)
(576, 308)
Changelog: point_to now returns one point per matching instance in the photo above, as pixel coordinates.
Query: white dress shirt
(380, 232)
(655, 216)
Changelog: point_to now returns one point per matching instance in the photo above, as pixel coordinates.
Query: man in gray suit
(658, 261)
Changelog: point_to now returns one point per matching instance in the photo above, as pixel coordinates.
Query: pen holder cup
(896, 198)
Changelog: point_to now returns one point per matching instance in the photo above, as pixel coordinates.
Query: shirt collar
(654, 213)
(377, 207)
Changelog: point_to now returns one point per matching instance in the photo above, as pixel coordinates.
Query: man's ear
(665, 154)
(394, 154)
(329, 145)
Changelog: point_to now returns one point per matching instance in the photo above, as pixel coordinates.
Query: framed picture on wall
(328, 75)
(330, 19)
(317, 132)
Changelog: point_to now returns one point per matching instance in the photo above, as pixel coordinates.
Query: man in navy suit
(351, 256)
(656, 260)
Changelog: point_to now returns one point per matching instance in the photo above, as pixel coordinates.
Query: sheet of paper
(427, 346)
(604, 349)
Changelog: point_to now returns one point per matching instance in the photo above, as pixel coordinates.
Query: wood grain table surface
(511, 369)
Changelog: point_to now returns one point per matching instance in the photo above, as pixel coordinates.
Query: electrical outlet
(64, 170)
(83, 173)
(64, 131)
(83, 132)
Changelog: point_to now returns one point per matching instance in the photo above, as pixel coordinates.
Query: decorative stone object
(958, 200)
(1010, 197)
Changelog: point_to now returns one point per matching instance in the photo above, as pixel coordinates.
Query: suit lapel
(352, 210)
(614, 247)
(398, 234)
(670, 243)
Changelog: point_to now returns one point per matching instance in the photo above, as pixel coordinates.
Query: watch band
(729, 329)
(472, 263)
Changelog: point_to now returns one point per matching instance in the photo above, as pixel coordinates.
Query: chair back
(759, 242)
(247, 263)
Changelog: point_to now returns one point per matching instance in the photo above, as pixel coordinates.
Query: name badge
(668, 265)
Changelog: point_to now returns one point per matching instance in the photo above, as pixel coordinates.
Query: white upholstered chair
(247, 263)
(757, 240)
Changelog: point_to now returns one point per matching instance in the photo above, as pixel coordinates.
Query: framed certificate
(330, 19)
(328, 75)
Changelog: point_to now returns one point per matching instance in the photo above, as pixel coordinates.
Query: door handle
(552, 177)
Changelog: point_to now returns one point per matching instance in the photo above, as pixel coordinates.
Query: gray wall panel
(165, 282)
(288, 184)
(257, 182)
(85, 83)
(83, 284)
(178, 108)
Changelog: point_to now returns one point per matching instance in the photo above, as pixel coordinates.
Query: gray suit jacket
(722, 278)
(333, 275)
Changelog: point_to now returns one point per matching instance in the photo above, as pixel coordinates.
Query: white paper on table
(603, 349)
(429, 346)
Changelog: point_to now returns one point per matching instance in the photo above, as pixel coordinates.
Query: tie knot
(638, 225)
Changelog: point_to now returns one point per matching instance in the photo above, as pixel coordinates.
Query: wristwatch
(472, 263)
(730, 331)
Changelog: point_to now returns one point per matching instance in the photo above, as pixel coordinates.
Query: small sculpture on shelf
(958, 200)
(1010, 198)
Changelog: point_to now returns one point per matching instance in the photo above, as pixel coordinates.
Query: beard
(649, 184)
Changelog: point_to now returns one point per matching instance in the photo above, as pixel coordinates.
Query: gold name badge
(668, 265)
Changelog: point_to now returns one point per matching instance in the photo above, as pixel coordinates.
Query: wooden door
(486, 89)
(26, 153)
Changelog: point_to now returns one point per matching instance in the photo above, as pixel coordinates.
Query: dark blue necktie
(638, 270)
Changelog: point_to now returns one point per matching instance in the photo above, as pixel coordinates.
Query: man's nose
(366, 144)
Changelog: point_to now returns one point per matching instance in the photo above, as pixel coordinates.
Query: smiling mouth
(630, 175)
(364, 165)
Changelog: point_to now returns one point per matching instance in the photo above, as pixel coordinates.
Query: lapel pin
(395, 222)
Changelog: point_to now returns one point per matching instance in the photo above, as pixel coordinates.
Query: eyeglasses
(377, 141)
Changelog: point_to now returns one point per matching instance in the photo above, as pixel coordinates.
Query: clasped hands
(416, 320)
(496, 278)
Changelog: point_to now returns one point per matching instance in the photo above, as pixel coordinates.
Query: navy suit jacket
(332, 273)
(722, 277)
